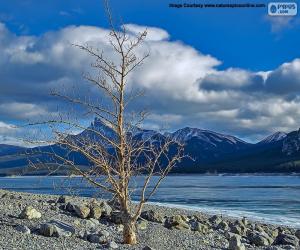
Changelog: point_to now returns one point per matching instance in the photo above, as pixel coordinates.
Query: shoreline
(213, 231)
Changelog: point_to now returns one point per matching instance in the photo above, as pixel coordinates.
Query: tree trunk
(129, 233)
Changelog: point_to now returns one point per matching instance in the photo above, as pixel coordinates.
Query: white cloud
(183, 86)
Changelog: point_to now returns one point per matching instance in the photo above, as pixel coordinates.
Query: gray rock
(104, 233)
(63, 199)
(223, 226)
(153, 216)
(48, 230)
(287, 239)
(96, 238)
(215, 220)
(236, 229)
(95, 211)
(30, 213)
(297, 233)
(199, 227)
(177, 222)
(105, 208)
(113, 245)
(116, 217)
(274, 248)
(235, 243)
(23, 229)
(56, 228)
(258, 239)
(142, 224)
(148, 248)
(81, 211)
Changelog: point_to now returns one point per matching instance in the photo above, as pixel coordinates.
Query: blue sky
(238, 58)
(239, 37)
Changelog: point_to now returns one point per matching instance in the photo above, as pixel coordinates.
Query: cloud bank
(184, 87)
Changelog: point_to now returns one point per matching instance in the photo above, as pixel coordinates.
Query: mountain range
(210, 152)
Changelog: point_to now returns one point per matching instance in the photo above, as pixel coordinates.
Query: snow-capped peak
(277, 136)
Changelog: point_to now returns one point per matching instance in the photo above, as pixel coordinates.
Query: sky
(235, 71)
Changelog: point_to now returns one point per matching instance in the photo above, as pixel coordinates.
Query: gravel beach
(34, 221)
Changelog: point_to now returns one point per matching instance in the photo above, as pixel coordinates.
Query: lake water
(273, 199)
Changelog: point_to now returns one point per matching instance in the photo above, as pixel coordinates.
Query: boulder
(48, 230)
(215, 220)
(95, 212)
(56, 228)
(96, 238)
(235, 243)
(199, 227)
(223, 226)
(30, 213)
(105, 208)
(236, 229)
(297, 233)
(258, 239)
(81, 211)
(177, 222)
(112, 245)
(116, 217)
(153, 216)
(148, 248)
(23, 229)
(63, 199)
(142, 224)
(287, 239)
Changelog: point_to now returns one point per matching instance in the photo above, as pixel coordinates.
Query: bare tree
(115, 159)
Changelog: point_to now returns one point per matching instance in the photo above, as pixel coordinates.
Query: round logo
(273, 8)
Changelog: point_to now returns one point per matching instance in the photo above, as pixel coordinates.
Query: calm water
(274, 199)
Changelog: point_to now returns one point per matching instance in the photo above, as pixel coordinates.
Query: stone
(258, 239)
(30, 213)
(48, 230)
(274, 248)
(236, 230)
(235, 243)
(96, 238)
(116, 217)
(113, 245)
(142, 224)
(223, 226)
(199, 227)
(297, 233)
(81, 211)
(177, 222)
(63, 199)
(287, 239)
(153, 216)
(95, 212)
(216, 219)
(105, 208)
(148, 248)
(56, 228)
(23, 229)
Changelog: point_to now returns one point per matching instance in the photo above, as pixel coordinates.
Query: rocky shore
(32, 221)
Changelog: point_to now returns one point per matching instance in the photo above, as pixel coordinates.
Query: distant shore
(192, 230)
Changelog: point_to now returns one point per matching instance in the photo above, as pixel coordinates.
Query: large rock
(153, 216)
(96, 238)
(177, 222)
(258, 239)
(215, 220)
(30, 213)
(81, 211)
(287, 239)
(199, 227)
(116, 217)
(56, 228)
(105, 208)
(235, 243)
(223, 226)
(95, 211)
(142, 224)
(23, 229)
(63, 199)
(297, 233)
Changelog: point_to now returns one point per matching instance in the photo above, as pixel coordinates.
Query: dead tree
(118, 158)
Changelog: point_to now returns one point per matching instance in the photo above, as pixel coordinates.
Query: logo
(282, 9)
